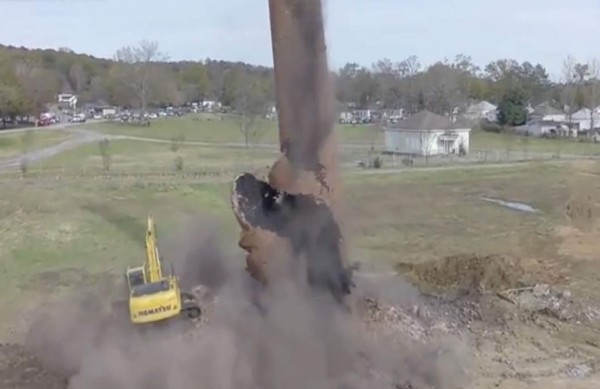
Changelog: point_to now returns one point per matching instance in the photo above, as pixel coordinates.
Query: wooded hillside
(142, 76)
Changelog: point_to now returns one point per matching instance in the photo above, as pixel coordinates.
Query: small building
(482, 110)
(586, 119)
(425, 134)
(67, 100)
(550, 128)
(547, 112)
(108, 111)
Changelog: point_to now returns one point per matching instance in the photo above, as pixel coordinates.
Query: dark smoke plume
(306, 223)
(300, 339)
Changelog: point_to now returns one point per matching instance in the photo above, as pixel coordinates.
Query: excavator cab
(135, 277)
(153, 296)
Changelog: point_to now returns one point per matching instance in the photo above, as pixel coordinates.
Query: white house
(67, 99)
(482, 110)
(426, 134)
(546, 127)
(547, 112)
(586, 119)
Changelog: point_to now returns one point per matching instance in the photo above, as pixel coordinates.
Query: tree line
(142, 76)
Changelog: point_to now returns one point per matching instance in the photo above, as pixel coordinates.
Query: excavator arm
(153, 269)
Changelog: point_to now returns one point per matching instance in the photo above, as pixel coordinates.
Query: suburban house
(547, 112)
(542, 127)
(546, 120)
(67, 100)
(482, 110)
(426, 134)
(586, 119)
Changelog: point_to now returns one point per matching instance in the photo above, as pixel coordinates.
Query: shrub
(178, 163)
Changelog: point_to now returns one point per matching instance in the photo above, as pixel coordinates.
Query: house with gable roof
(426, 134)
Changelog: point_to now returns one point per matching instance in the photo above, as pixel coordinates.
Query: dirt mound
(472, 273)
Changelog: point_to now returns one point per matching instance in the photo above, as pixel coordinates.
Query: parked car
(78, 118)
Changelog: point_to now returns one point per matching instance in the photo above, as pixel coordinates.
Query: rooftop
(546, 109)
(426, 120)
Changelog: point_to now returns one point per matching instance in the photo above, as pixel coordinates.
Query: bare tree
(377, 130)
(425, 143)
(178, 163)
(138, 75)
(408, 70)
(592, 95)
(177, 142)
(104, 147)
(39, 85)
(249, 104)
(568, 78)
(26, 142)
(97, 88)
(78, 77)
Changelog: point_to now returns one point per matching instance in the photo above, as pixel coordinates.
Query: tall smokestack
(302, 79)
(305, 101)
(300, 206)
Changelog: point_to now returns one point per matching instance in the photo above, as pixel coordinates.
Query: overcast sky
(362, 31)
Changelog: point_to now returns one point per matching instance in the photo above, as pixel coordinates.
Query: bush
(27, 140)
(178, 163)
(104, 146)
(378, 162)
(486, 125)
(177, 142)
(24, 166)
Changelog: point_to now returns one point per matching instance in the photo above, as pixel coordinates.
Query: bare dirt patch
(576, 244)
(471, 272)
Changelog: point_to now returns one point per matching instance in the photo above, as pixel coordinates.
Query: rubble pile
(550, 301)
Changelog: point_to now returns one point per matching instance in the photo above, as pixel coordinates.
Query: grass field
(213, 130)
(224, 131)
(55, 236)
(146, 157)
(14, 144)
(481, 140)
(61, 232)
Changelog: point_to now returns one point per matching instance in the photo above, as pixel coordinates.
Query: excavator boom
(153, 268)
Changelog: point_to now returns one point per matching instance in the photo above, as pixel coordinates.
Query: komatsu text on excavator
(154, 296)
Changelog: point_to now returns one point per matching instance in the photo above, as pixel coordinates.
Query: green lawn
(15, 144)
(59, 235)
(482, 140)
(224, 131)
(147, 157)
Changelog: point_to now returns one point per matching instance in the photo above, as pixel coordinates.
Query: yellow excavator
(154, 296)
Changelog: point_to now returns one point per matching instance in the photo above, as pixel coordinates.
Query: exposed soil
(465, 274)
(526, 334)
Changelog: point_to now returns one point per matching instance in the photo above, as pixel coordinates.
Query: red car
(42, 122)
